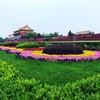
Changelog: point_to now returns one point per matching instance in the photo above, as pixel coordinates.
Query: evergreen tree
(30, 35)
(70, 33)
(1, 39)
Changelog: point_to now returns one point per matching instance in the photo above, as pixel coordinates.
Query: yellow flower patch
(85, 53)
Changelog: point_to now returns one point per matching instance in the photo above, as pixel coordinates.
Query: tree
(56, 34)
(70, 33)
(47, 37)
(50, 35)
(1, 39)
(39, 35)
(91, 32)
(30, 35)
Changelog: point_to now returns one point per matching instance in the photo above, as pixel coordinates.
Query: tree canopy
(1, 39)
(50, 35)
(70, 33)
(30, 35)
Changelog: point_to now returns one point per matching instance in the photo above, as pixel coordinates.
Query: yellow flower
(85, 53)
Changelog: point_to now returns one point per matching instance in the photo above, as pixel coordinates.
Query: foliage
(27, 45)
(47, 37)
(3, 43)
(43, 44)
(50, 35)
(63, 49)
(30, 35)
(91, 32)
(38, 35)
(56, 34)
(14, 87)
(1, 39)
(86, 45)
(70, 33)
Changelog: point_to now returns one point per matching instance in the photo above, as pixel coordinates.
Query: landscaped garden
(59, 75)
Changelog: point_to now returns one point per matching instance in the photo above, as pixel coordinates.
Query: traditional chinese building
(21, 31)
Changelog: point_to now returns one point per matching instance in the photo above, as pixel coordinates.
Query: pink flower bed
(26, 55)
(64, 58)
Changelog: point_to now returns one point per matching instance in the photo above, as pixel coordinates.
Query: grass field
(52, 73)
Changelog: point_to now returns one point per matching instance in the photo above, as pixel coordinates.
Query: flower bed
(38, 55)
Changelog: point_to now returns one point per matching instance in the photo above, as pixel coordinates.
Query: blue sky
(45, 16)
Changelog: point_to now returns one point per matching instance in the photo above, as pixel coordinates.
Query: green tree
(30, 35)
(91, 32)
(1, 39)
(70, 33)
(50, 35)
(47, 37)
(56, 34)
(39, 35)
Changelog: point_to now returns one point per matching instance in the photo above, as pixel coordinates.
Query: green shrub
(3, 43)
(27, 45)
(14, 87)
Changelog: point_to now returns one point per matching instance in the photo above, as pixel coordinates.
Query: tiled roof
(25, 28)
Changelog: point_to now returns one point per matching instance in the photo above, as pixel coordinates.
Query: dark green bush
(63, 49)
(27, 45)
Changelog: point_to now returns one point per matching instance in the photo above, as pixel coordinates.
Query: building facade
(19, 33)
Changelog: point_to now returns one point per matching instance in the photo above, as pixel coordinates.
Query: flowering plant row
(38, 55)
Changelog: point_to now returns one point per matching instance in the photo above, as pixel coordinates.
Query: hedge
(14, 87)
(27, 45)
(86, 45)
(3, 43)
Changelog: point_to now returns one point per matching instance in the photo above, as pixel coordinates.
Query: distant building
(82, 32)
(19, 33)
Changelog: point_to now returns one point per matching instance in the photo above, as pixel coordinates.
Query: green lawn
(52, 73)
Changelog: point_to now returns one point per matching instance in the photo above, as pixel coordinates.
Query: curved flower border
(31, 55)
